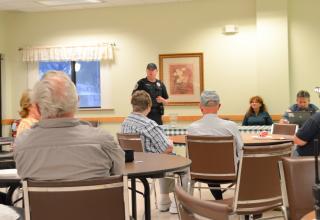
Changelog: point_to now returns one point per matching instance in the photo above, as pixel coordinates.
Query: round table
(149, 165)
(248, 139)
(255, 139)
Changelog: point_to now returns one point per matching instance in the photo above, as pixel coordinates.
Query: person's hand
(283, 121)
(168, 150)
(161, 100)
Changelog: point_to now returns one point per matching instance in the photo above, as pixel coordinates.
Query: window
(84, 74)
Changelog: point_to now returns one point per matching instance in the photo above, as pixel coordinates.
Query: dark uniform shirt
(154, 89)
(309, 131)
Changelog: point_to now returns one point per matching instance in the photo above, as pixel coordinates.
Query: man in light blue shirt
(211, 124)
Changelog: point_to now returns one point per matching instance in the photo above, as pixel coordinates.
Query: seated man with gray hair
(60, 147)
(154, 141)
(211, 124)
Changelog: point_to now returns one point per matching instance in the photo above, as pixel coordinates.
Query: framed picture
(183, 76)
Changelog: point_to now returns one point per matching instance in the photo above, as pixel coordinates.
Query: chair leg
(155, 193)
(199, 189)
(191, 187)
(284, 212)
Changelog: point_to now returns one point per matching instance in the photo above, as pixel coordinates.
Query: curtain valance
(74, 53)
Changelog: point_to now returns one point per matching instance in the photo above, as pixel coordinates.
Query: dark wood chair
(105, 198)
(213, 159)
(285, 129)
(130, 141)
(258, 186)
(298, 176)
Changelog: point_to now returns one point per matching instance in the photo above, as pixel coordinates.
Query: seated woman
(28, 113)
(257, 113)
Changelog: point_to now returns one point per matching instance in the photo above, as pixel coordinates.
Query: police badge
(136, 86)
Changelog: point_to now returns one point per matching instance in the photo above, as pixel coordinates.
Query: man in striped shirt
(154, 140)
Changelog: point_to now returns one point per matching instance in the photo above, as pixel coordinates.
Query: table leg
(146, 195)
(133, 198)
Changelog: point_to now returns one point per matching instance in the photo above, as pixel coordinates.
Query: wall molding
(166, 118)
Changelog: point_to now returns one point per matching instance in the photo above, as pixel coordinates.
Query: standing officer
(156, 90)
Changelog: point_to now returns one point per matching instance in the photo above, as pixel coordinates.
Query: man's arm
(160, 142)
(307, 132)
(116, 154)
(298, 141)
(162, 100)
(285, 117)
(164, 96)
(118, 161)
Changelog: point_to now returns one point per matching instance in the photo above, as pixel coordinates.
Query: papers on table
(268, 138)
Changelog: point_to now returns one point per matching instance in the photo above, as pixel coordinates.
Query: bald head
(56, 95)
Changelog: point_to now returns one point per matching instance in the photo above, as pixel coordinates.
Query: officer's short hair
(209, 98)
(151, 66)
(303, 94)
(140, 101)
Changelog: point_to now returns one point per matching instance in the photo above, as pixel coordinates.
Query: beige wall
(2, 31)
(254, 61)
(304, 45)
(272, 53)
(5, 91)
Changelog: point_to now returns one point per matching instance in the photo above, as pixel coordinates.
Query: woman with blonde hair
(28, 112)
(257, 113)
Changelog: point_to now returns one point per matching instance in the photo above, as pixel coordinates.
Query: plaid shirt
(152, 135)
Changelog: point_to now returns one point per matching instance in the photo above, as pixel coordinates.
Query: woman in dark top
(257, 113)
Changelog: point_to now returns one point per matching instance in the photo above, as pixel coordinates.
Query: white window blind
(75, 53)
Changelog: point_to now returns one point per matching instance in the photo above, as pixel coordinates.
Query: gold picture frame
(182, 74)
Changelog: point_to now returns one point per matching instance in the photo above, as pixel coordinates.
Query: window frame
(106, 102)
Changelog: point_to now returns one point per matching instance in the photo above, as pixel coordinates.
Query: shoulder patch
(136, 86)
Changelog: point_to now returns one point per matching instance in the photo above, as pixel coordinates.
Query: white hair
(55, 94)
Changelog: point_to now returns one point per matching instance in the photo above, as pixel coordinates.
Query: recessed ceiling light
(68, 2)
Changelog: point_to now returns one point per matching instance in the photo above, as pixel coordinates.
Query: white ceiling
(34, 5)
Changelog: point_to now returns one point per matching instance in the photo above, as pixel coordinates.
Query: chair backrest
(213, 158)
(105, 198)
(189, 206)
(258, 186)
(285, 129)
(130, 141)
(299, 177)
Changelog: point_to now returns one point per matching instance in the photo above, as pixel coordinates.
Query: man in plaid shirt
(154, 141)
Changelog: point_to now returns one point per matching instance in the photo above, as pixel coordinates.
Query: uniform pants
(156, 116)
